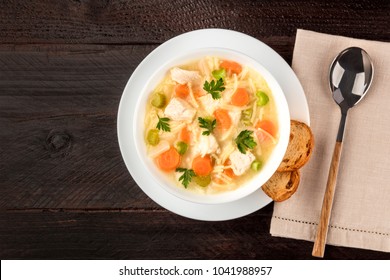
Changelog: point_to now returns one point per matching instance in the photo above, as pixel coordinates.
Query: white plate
(175, 47)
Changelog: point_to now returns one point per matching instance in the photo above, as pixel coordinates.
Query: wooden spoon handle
(322, 229)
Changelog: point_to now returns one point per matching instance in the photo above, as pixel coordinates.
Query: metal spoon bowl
(350, 77)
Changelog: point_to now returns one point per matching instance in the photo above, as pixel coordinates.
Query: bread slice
(282, 185)
(299, 148)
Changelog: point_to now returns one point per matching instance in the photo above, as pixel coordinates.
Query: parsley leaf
(208, 124)
(187, 175)
(163, 124)
(214, 88)
(245, 141)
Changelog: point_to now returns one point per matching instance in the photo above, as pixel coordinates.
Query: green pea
(158, 100)
(202, 181)
(262, 98)
(256, 165)
(153, 137)
(181, 147)
(219, 74)
(246, 116)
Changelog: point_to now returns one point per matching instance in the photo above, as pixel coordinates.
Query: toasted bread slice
(282, 185)
(299, 148)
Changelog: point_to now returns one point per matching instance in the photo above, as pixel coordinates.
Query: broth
(211, 124)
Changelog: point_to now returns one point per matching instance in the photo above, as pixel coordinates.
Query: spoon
(350, 77)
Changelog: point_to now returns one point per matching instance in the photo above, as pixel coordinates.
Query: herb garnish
(214, 88)
(163, 124)
(245, 141)
(187, 175)
(208, 124)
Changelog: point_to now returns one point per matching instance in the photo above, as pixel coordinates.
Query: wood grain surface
(156, 234)
(326, 210)
(154, 21)
(65, 192)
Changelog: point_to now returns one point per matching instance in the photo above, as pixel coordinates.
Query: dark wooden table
(65, 192)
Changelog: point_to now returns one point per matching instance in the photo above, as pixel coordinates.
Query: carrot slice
(231, 67)
(198, 92)
(228, 172)
(169, 160)
(184, 135)
(202, 166)
(223, 119)
(268, 126)
(219, 181)
(182, 91)
(240, 97)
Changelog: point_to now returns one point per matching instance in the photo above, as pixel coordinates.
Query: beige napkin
(361, 208)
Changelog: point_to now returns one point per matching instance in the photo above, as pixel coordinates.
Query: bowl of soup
(211, 126)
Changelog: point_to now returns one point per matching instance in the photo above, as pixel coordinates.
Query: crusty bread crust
(285, 181)
(282, 185)
(300, 147)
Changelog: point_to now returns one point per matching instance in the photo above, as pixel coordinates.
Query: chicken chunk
(241, 162)
(207, 145)
(235, 116)
(179, 110)
(184, 76)
(209, 104)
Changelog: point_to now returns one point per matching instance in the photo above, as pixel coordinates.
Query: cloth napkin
(361, 207)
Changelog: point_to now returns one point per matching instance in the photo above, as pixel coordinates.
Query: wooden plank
(58, 141)
(63, 67)
(146, 21)
(150, 235)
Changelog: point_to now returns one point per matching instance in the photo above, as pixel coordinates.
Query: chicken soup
(211, 124)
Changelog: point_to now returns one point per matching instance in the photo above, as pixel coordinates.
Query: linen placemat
(361, 207)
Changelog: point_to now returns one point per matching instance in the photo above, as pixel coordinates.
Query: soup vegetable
(211, 124)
